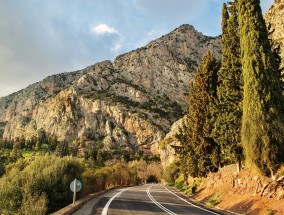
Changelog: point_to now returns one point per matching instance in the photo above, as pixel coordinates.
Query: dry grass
(218, 190)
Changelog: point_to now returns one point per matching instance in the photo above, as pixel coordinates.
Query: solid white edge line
(191, 203)
(104, 212)
(157, 203)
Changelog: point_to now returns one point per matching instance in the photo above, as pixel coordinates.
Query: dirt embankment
(244, 193)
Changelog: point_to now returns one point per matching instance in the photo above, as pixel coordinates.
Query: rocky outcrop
(167, 65)
(274, 18)
(131, 103)
(170, 144)
(21, 105)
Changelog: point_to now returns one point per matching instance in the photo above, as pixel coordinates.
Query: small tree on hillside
(200, 152)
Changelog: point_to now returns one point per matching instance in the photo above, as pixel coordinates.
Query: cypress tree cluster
(200, 152)
(263, 112)
(240, 108)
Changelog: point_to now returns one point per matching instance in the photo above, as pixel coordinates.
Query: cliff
(274, 19)
(131, 102)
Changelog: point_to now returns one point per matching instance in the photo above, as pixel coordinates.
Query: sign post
(75, 191)
(75, 187)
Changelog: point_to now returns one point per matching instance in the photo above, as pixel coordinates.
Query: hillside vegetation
(40, 184)
(236, 113)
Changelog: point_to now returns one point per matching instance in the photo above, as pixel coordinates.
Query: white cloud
(151, 35)
(113, 37)
(104, 29)
(117, 46)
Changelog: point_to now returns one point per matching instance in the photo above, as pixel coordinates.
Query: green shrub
(180, 183)
(34, 204)
(170, 173)
(192, 188)
(99, 179)
(214, 200)
(45, 177)
(270, 211)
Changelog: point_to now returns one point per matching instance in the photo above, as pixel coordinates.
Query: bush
(192, 188)
(180, 182)
(43, 180)
(34, 204)
(214, 200)
(105, 177)
(171, 172)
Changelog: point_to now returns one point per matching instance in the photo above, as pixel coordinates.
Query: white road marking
(157, 203)
(191, 203)
(104, 212)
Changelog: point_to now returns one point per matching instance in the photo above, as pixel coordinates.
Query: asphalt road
(145, 200)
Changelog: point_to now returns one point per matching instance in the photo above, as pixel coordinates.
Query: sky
(41, 38)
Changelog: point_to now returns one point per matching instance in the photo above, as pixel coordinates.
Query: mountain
(274, 18)
(130, 103)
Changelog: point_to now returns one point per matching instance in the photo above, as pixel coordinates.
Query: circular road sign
(78, 186)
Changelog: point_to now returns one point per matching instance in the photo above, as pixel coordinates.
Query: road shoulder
(198, 203)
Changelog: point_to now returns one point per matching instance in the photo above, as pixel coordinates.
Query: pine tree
(200, 152)
(230, 90)
(262, 132)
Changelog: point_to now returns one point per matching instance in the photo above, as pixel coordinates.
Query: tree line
(40, 185)
(91, 150)
(236, 109)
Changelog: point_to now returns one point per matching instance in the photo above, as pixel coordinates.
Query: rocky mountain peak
(166, 65)
(130, 103)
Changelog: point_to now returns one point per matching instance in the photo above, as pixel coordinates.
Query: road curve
(145, 200)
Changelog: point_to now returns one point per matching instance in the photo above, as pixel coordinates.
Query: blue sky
(40, 38)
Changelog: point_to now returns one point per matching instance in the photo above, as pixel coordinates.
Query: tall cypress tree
(200, 152)
(230, 89)
(225, 37)
(262, 132)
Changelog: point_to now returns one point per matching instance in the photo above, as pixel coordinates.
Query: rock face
(274, 18)
(132, 102)
(168, 153)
